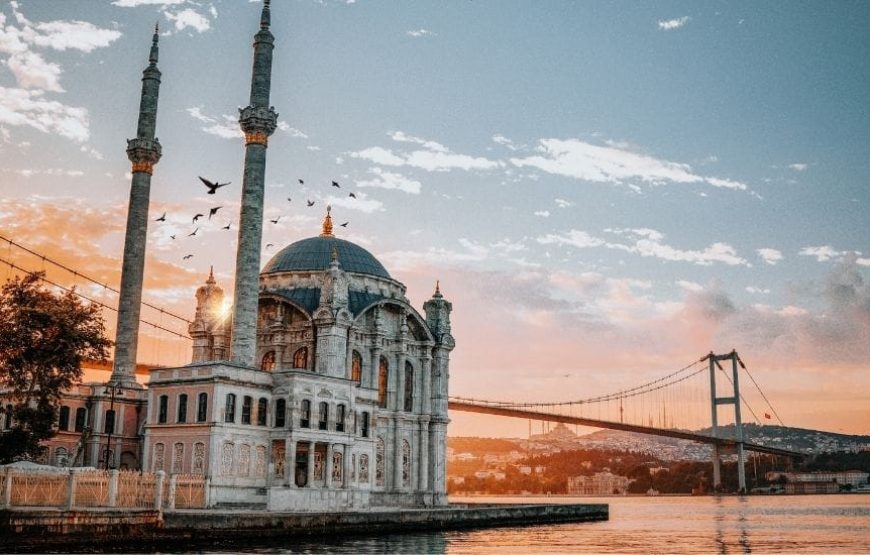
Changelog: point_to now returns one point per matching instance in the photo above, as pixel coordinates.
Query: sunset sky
(606, 190)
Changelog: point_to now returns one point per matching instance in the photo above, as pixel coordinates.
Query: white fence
(89, 488)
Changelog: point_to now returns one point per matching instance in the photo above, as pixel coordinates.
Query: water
(649, 525)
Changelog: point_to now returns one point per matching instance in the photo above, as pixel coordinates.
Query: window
(280, 413)
(110, 422)
(409, 387)
(262, 411)
(339, 418)
(247, 403)
(63, 419)
(323, 416)
(300, 358)
(364, 429)
(162, 409)
(182, 408)
(202, 407)
(356, 367)
(230, 412)
(8, 424)
(305, 414)
(268, 362)
(81, 419)
(382, 383)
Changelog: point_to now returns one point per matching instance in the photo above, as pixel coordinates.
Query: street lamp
(111, 389)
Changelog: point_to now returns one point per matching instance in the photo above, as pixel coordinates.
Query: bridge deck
(467, 406)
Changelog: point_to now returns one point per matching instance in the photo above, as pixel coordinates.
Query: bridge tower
(715, 401)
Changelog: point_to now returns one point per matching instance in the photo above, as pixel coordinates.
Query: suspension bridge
(670, 406)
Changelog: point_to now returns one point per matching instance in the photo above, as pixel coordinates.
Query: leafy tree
(44, 337)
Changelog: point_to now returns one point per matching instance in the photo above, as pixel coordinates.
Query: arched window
(182, 408)
(409, 387)
(280, 413)
(364, 429)
(63, 419)
(268, 362)
(305, 414)
(406, 463)
(339, 418)
(300, 358)
(247, 404)
(262, 411)
(162, 409)
(230, 411)
(202, 407)
(110, 422)
(356, 367)
(323, 416)
(383, 372)
(81, 419)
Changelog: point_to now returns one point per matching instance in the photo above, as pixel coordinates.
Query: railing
(82, 489)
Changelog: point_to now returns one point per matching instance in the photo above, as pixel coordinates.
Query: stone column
(327, 466)
(113, 488)
(371, 377)
(310, 480)
(423, 457)
(258, 121)
(144, 152)
(345, 465)
(290, 463)
(426, 394)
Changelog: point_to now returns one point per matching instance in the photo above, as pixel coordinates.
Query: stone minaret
(143, 151)
(438, 319)
(258, 121)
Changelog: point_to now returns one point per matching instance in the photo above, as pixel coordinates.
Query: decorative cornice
(256, 138)
(143, 153)
(258, 123)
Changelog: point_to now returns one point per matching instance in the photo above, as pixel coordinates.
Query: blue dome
(315, 254)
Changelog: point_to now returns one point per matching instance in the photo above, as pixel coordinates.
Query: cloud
(20, 107)
(690, 286)
(671, 24)
(388, 180)
(648, 243)
(822, 253)
(188, 18)
(799, 167)
(543, 213)
(504, 141)
(562, 203)
(433, 157)
(361, 203)
(757, 290)
(770, 256)
(612, 164)
(417, 33)
(136, 3)
(71, 35)
(292, 131)
(227, 127)
(32, 71)
(49, 171)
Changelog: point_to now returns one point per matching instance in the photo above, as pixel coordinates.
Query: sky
(607, 191)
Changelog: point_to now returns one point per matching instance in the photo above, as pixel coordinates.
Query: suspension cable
(742, 398)
(758, 387)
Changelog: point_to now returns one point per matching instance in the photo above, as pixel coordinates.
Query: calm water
(794, 524)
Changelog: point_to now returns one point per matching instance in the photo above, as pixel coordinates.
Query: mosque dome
(315, 254)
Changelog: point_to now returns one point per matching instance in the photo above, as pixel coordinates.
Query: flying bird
(198, 216)
(335, 184)
(310, 203)
(344, 224)
(172, 237)
(227, 226)
(275, 221)
(213, 211)
(289, 199)
(194, 232)
(270, 245)
(301, 182)
(212, 187)
(351, 195)
(161, 218)
(187, 257)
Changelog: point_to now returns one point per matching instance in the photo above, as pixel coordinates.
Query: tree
(44, 337)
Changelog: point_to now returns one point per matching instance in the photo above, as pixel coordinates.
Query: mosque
(324, 390)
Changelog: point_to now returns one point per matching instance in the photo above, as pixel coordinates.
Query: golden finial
(327, 223)
(437, 288)
(210, 275)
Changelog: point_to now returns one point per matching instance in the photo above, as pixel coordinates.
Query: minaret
(143, 151)
(437, 311)
(258, 121)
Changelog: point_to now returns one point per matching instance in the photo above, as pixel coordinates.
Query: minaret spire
(144, 152)
(258, 121)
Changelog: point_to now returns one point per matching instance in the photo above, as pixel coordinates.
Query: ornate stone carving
(336, 467)
(159, 456)
(318, 465)
(227, 453)
(380, 463)
(178, 458)
(258, 123)
(364, 469)
(260, 465)
(244, 469)
(198, 458)
(143, 153)
(406, 463)
(278, 455)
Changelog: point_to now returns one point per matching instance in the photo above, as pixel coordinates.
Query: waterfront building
(600, 483)
(853, 478)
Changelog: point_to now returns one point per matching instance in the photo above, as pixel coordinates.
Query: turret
(208, 328)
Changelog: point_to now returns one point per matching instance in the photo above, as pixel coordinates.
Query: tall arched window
(202, 407)
(81, 419)
(305, 414)
(364, 428)
(300, 358)
(110, 422)
(262, 411)
(63, 419)
(340, 413)
(323, 416)
(230, 411)
(182, 408)
(268, 362)
(383, 372)
(356, 367)
(162, 409)
(280, 413)
(409, 387)
(247, 404)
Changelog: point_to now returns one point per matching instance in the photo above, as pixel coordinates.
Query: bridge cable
(758, 387)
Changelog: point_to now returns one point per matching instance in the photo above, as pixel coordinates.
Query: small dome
(315, 254)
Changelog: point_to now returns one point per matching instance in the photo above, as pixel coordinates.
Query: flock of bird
(213, 186)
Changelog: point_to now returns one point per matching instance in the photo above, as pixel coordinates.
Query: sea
(649, 525)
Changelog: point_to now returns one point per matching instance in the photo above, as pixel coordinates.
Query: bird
(172, 237)
(227, 226)
(301, 182)
(344, 224)
(213, 211)
(275, 221)
(212, 187)
(187, 257)
(270, 245)
(335, 184)
(351, 195)
(194, 232)
(289, 199)
(161, 218)
(198, 216)
(310, 203)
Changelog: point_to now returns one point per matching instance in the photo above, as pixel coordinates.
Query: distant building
(600, 483)
(852, 478)
(560, 433)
